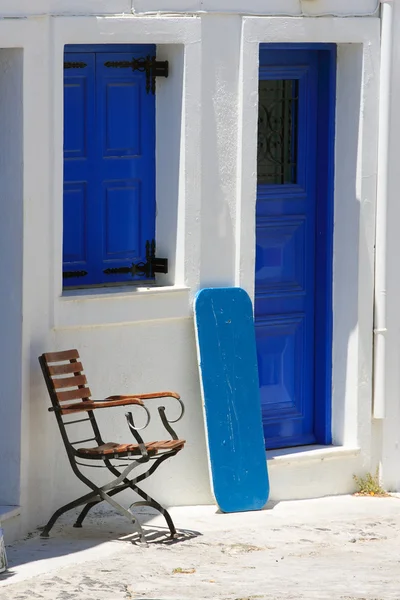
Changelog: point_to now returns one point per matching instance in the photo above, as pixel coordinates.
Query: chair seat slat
(68, 382)
(77, 394)
(52, 357)
(65, 369)
(115, 448)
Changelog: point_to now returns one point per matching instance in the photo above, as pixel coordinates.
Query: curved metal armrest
(161, 409)
(135, 432)
(167, 422)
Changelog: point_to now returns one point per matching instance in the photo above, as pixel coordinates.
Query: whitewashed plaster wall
(390, 427)
(245, 7)
(11, 232)
(143, 340)
(261, 7)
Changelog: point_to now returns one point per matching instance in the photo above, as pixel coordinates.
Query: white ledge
(288, 456)
(8, 512)
(120, 305)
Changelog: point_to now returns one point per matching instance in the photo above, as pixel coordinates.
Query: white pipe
(381, 212)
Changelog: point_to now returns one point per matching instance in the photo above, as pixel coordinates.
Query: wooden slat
(67, 382)
(60, 356)
(110, 448)
(115, 448)
(92, 405)
(77, 394)
(65, 369)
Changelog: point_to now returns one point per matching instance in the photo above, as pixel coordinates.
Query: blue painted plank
(231, 400)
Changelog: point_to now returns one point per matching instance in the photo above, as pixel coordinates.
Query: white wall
(390, 427)
(11, 228)
(142, 340)
(258, 7)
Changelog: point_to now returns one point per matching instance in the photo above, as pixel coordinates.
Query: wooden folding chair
(69, 395)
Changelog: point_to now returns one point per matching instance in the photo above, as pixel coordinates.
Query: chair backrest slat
(68, 382)
(64, 355)
(77, 394)
(75, 367)
(64, 376)
(65, 383)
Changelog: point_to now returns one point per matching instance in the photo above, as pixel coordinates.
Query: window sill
(304, 454)
(118, 305)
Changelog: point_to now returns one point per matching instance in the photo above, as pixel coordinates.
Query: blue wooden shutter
(120, 175)
(126, 159)
(79, 164)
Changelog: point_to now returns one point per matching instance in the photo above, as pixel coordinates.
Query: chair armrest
(161, 409)
(95, 404)
(148, 396)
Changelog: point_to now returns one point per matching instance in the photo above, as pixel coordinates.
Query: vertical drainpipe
(381, 211)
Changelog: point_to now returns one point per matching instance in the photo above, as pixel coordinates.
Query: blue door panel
(280, 260)
(284, 371)
(109, 165)
(285, 247)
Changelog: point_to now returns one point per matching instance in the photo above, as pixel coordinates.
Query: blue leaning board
(231, 399)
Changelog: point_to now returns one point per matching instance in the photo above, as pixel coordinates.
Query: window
(109, 164)
(277, 131)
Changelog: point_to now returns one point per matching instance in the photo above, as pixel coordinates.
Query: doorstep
(309, 453)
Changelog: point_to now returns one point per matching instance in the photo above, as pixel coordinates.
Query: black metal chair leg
(84, 512)
(158, 507)
(78, 502)
(124, 512)
(90, 505)
(148, 500)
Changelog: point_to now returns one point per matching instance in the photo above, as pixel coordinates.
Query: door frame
(325, 179)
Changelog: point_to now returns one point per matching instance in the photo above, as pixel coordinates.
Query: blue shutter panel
(79, 111)
(126, 155)
(111, 128)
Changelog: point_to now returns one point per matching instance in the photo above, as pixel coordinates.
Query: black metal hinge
(149, 65)
(70, 274)
(152, 265)
(75, 65)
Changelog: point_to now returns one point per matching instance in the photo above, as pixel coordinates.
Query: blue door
(287, 279)
(109, 165)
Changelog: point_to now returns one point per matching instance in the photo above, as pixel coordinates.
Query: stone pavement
(340, 548)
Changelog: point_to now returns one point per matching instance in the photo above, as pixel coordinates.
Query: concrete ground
(341, 548)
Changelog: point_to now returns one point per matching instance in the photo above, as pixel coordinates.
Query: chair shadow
(67, 541)
(161, 536)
